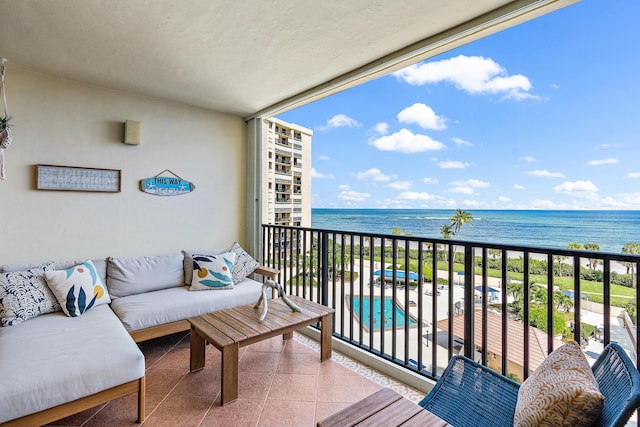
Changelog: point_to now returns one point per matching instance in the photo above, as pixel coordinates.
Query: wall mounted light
(132, 132)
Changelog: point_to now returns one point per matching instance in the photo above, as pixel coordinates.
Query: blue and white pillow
(78, 288)
(24, 294)
(212, 271)
(244, 264)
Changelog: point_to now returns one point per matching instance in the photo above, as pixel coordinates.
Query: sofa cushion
(78, 288)
(100, 264)
(212, 272)
(188, 261)
(244, 264)
(135, 275)
(24, 294)
(173, 304)
(83, 356)
(562, 391)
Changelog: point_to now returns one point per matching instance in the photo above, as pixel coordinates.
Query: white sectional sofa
(53, 365)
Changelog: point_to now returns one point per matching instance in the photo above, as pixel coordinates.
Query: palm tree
(590, 246)
(563, 300)
(631, 248)
(575, 246)
(446, 231)
(459, 219)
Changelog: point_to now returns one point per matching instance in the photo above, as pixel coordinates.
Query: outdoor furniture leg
(229, 370)
(197, 343)
(325, 337)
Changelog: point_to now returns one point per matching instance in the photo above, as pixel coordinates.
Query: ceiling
(244, 57)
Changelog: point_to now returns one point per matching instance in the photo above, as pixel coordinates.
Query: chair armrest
(269, 272)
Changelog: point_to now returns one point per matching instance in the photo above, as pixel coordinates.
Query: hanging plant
(5, 126)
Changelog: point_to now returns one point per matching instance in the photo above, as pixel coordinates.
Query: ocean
(547, 229)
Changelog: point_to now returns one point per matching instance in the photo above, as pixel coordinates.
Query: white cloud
(413, 195)
(400, 185)
(472, 203)
(603, 162)
(633, 175)
(406, 141)
(603, 146)
(529, 159)
(339, 121)
(462, 190)
(344, 187)
(546, 174)
(576, 187)
(373, 174)
(382, 128)
(453, 164)
(353, 196)
(474, 183)
(542, 204)
(460, 141)
(430, 180)
(324, 158)
(473, 74)
(319, 175)
(423, 116)
(518, 186)
(504, 199)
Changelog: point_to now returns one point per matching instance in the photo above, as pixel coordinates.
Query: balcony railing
(460, 297)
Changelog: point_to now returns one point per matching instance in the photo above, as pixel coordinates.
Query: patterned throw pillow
(78, 288)
(244, 265)
(24, 294)
(561, 392)
(212, 272)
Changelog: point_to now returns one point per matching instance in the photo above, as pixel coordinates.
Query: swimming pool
(378, 317)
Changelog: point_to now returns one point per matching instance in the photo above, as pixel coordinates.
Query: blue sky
(544, 115)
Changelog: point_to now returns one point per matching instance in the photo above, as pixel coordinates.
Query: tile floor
(281, 383)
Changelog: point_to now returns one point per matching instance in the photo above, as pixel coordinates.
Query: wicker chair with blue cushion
(470, 394)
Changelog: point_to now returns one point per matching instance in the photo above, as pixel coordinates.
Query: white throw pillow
(244, 265)
(24, 294)
(212, 272)
(78, 288)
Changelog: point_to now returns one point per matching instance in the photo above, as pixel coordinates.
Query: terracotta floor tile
(331, 367)
(241, 413)
(179, 410)
(299, 363)
(332, 388)
(259, 362)
(287, 414)
(161, 380)
(280, 383)
(79, 418)
(295, 347)
(205, 382)
(293, 387)
(254, 385)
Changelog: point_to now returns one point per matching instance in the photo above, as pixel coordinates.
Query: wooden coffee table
(230, 329)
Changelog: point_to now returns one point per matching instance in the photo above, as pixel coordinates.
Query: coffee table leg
(325, 337)
(197, 344)
(229, 373)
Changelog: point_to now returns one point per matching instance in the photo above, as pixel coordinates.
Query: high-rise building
(286, 174)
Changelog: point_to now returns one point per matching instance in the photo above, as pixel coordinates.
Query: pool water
(378, 317)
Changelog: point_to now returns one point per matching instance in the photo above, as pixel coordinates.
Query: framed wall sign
(71, 178)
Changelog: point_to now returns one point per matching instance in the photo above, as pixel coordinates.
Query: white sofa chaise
(53, 366)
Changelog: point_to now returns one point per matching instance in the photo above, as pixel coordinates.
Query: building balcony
(461, 298)
(412, 338)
